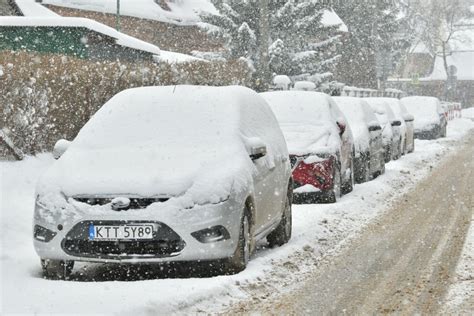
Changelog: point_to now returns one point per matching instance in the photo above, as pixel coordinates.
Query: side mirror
(396, 123)
(60, 148)
(408, 117)
(256, 147)
(374, 127)
(258, 152)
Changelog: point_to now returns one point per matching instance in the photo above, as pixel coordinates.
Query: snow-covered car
(161, 174)
(408, 126)
(319, 141)
(430, 121)
(391, 127)
(369, 161)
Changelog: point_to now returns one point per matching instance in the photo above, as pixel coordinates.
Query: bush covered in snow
(47, 97)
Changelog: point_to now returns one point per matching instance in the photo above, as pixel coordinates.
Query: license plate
(120, 232)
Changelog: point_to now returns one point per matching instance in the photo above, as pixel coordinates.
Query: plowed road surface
(403, 262)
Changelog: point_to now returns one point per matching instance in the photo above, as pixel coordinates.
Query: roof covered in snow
(330, 18)
(121, 38)
(177, 12)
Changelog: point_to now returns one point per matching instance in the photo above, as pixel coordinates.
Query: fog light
(213, 234)
(43, 234)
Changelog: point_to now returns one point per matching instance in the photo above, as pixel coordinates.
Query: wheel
(282, 234)
(238, 262)
(348, 186)
(57, 269)
(335, 193)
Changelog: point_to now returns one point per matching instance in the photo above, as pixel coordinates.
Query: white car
(391, 127)
(161, 174)
(407, 127)
(430, 120)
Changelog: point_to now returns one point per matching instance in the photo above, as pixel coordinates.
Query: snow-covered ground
(459, 294)
(318, 230)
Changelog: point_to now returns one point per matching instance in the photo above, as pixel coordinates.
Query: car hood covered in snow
(306, 121)
(162, 142)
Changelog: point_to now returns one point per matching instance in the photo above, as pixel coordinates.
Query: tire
(348, 186)
(238, 262)
(282, 234)
(57, 269)
(333, 195)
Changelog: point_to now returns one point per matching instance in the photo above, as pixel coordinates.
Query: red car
(320, 144)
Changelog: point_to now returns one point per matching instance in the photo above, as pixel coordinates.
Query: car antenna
(174, 89)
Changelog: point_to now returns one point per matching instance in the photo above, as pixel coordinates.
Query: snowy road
(319, 232)
(403, 262)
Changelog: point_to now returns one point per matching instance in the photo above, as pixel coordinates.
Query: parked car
(430, 121)
(391, 127)
(369, 161)
(408, 127)
(319, 141)
(161, 174)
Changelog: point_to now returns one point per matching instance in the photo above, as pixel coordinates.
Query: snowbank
(317, 232)
(468, 113)
(180, 12)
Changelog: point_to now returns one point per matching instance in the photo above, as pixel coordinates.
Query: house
(424, 73)
(78, 37)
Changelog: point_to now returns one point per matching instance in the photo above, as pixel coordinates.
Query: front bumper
(173, 242)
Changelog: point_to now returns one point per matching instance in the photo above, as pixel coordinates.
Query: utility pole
(263, 71)
(117, 17)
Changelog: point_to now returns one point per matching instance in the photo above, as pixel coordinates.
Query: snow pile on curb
(318, 232)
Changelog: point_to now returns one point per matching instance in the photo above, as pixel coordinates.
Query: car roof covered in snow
(306, 119)
(382, 109)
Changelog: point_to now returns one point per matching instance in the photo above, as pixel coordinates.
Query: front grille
(165, 243)
(135, 203)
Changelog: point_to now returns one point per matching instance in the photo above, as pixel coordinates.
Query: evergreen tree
(300, 46)
(375, 42)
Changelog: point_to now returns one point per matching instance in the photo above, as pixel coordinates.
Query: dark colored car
(369, 152)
